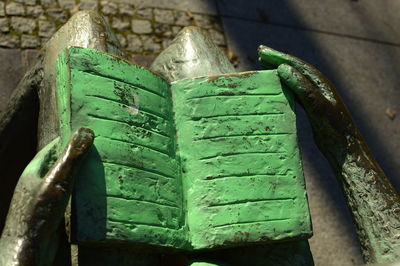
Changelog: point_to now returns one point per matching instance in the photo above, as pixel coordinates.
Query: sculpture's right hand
(39, 202)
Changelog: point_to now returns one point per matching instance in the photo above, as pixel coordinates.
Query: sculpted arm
(39, 202)
(30, 121)
(373, 202)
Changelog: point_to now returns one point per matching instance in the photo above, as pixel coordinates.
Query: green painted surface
(129, 187)
(242, 175)
(214, 163)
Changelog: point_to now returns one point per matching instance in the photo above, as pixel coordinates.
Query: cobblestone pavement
(142, 31)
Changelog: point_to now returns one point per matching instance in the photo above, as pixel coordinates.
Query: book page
(128, 188)
(242, 173)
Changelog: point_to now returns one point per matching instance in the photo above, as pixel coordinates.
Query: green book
(196, 164)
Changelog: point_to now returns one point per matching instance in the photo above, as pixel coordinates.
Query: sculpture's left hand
(374, 203)
(39, 202)
(331, 122)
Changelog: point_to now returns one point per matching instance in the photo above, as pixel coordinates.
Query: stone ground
(356, 43)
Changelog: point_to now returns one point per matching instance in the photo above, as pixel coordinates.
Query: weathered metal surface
(129, 189)
(39, 202)
(18, 127)
(233, 176)
(86, 29)
(374, 203)
(335, 133)
(241, 168)
(19, 131)
(291, 253)
(191, 54)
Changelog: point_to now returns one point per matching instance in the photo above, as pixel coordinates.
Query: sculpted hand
(331, 122)
(374, 203)
(39, 202)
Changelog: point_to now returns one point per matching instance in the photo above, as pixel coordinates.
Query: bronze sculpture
(33, 221)
(362, 179)
(369, 194)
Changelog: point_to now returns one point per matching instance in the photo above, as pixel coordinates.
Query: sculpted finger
(58, 180)
(308, 95)
(322, 113)
(270, 57)
(54, 192)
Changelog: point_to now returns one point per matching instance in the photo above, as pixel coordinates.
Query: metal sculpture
(371, 197)
(31, 231)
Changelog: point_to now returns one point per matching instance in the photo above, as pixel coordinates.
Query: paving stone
(10, 73)
(28, 41)
(107, 19)
(166, 43)
(176, 29)
(157, 39)
(217, 37)
(46, 28)
(48, 2)
(150, 45)
(89, 5)
(218, 26)
(198, 6)
(164, 16)
(34, 11)
(183, 18)
(134, 43)
(44, 40)
(67, 4)
(126, 10)
(122, 40)
(109, 8)
(120, 24)
(23, 25)
(9, 41)
(27, 2)
(163, 30)
(146, 13)
(143, 60)
(28, 58)
(204, 21)
(367, 19)
(58, 14)
(2, 12)
(141, 26)
(15, 9)
(4, 25)
(208, 22)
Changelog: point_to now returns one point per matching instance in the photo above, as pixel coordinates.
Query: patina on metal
(296, 253)
(373, 202)
(191, 54)
(179, 62)
(39, 203)
(41, 196)
(29, 121)
(86, 29)
(219, 155)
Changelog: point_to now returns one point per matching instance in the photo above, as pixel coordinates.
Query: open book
(199, 163)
